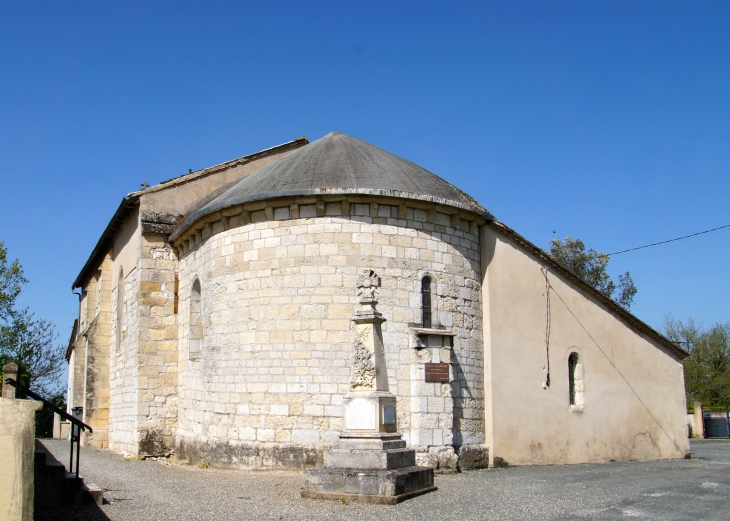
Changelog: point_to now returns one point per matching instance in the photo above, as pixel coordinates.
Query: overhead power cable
(671, 240)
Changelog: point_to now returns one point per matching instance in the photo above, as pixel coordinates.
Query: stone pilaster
(157, 356)
(10, 370)
(98, 341)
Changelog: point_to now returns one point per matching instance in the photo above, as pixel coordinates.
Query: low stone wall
(251, 456)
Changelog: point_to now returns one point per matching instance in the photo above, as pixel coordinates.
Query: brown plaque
(437, 372)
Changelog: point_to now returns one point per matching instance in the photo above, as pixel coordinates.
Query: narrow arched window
(576, 381)
(572, 365)
(120, 308)
(426, 302)
(196, 321)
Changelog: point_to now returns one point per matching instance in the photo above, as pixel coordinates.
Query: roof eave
(102, 246)
(133, 198)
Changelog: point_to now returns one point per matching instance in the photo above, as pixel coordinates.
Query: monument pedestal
(374, 467)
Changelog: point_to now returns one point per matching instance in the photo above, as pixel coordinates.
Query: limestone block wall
(157, 353)
(278, 290)
(124, 370)
(96, 373)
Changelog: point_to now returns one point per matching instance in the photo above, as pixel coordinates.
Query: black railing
(77, 426)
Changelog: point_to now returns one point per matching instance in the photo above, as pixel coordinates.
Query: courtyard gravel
(697, 488)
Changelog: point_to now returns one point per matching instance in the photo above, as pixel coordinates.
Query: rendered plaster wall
(278, 348)
(634, 389)
(126, 250)
(17, 446)
(179, 196)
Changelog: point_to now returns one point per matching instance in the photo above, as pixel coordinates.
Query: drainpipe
(80, 296)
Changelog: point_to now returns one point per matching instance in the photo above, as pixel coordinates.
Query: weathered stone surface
(17, 432)
(353, 441)
(163, 229)
(160, 217)
(473, 457)
(372, 486)
(442, 459)
(369, 459)
(253, 456)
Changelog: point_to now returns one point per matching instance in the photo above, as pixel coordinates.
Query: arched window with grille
(426, 318)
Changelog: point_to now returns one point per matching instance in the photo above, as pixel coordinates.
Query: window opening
(120, 307)
(576, 381)
(426, 302)
(572, 365)
(176, 300)
(196, 322)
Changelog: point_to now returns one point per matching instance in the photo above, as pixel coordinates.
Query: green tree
(707, 368)
(26, 340)
(11, 282)
(592, 267)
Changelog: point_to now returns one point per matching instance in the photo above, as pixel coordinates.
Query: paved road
(158, 490)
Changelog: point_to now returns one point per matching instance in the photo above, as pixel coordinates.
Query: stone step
(95, 491)
(369, 459)
(54, 486)
(385, 487)
(39, 457)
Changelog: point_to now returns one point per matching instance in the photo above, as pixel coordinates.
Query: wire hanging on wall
(546, 367)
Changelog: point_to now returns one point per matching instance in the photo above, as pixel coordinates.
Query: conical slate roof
(338, 164)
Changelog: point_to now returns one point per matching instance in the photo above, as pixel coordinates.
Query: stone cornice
(195, 233)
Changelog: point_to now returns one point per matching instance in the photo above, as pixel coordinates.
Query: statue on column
(370, 461)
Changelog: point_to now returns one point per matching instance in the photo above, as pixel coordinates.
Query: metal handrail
(75, 421)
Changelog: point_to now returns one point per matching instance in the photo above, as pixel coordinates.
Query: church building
(218, 323)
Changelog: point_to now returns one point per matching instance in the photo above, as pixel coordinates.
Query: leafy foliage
(26, 340)
(11, 281)
(592, 267)
(707, 368)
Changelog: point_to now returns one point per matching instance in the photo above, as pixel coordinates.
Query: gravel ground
(162, 490)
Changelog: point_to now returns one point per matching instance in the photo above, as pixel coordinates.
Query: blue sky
(607, 121)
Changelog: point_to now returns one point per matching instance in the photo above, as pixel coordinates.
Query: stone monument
(370, 461)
